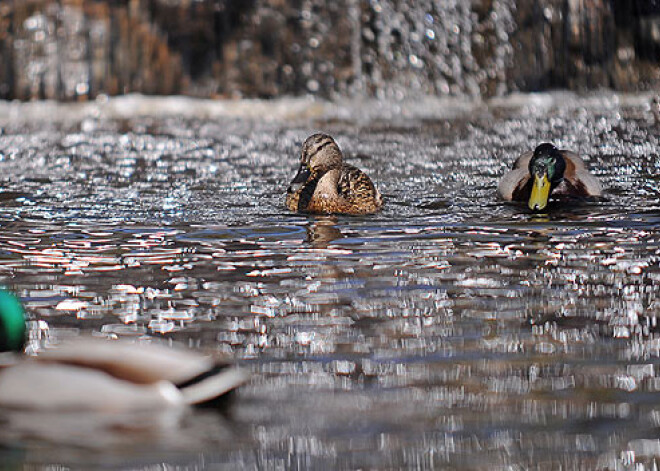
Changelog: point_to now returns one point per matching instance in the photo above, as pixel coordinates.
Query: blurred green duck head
(12, 323)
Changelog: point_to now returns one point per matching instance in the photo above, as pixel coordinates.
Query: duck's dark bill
(301, 178)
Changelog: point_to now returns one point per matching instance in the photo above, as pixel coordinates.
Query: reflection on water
(89, 440)
(322, 231)
(449, 330)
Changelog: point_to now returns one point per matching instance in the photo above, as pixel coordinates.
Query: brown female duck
(324, 184)
(545, 171)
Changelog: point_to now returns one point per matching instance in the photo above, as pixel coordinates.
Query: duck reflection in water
(323, 231)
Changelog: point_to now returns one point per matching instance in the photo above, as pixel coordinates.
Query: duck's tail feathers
(212, 384)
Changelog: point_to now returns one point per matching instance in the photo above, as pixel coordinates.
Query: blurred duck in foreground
(100, 375)
(324, 184)
(547, 171)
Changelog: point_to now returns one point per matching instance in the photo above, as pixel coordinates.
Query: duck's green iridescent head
(546, 167)
(12, 323)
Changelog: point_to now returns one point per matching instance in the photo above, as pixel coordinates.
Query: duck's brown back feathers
(577, 179)
(357, 188)
(345, 190)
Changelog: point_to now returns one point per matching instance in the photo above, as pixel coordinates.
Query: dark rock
(266, 48)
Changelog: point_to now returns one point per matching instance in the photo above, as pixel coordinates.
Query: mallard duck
(101, 375)
(324, 184)
(548, 170)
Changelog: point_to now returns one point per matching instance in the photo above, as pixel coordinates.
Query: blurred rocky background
(78, 49)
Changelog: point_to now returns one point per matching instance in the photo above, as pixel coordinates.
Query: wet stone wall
(73, 49)
(68, 49)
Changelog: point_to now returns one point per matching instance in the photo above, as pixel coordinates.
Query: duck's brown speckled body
(324, 184)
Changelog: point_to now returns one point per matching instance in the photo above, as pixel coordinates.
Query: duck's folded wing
(353, 183)
(138, 363)
(523, 160)
(211, 385)
(33, 385)
(581, 181)
(575, 159)
(513, 182)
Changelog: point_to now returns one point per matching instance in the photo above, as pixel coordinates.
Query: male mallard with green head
(545, 171)
(103, 376)
(324, 184)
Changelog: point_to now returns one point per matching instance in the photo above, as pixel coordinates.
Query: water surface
(450, 330)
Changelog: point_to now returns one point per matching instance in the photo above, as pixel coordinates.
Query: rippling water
(449, 330)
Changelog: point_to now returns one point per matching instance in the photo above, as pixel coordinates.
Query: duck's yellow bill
(538, 200)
